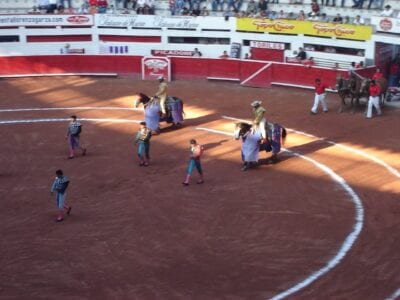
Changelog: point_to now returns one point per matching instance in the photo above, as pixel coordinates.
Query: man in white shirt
(387, 12)
(358, 20)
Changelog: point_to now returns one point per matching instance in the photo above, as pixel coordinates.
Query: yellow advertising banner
(343, 31)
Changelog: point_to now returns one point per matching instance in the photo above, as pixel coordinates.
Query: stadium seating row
(162, 7)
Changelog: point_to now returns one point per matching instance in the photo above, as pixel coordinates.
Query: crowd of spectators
(94, 6)
(234, 8)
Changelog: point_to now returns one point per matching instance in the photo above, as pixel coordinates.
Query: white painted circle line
(69, 108)
(347, 148)
(395, 295)
(24, 121)
(348, 242)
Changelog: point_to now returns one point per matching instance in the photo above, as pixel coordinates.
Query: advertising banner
(154, 67)
(267, 45)
(45, 20)
(384, 24)
(343, 31)
(171, 53)
(145, 21)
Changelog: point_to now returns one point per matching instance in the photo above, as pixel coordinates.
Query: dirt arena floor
(324, 223)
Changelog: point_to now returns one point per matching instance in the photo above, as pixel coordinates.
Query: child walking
(59, 187)
(73, 133)
(143, 142)
(196, 150)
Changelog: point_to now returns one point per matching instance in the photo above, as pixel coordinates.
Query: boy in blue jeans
(59, 187)
(143, 141)
(196, 150)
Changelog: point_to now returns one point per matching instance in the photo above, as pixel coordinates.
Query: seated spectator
(360, 65)
(338, 19)
(378, 74)
(346, 20)
(43, 5)
(281, 15)
(314, 7)
(185, 11)
(196, 53)
(224, 55)
(149, 7)
(247, 56)
(34, 10)
(52, 7)
(387, 12)
(301, 55)
(272, 15)
(291, 16)
(358, 20)
(140, 6)
(262, 7)
(204, 12)
(313, 17)
(251, 7)
(102, 6)
(324, 18)
(309, 62)
(301, 16)
(111, 9)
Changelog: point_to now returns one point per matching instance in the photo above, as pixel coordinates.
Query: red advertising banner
(154, 67)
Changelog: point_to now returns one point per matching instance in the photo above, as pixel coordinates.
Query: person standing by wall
(73, 136)
(59, 187)
(320, 94)
(374, 93)
(143, 144)
(196, 151)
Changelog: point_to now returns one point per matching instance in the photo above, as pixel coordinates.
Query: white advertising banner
(267, 45)
(386, 24)
(145, 21)
(45, 20)
(154, 67)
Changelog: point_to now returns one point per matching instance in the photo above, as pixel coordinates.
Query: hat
(256, 103)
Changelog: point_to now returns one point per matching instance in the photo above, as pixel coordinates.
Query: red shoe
(70, 157)
(185, 183)
(59, 220)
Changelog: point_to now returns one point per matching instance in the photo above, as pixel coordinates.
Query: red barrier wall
(182, 68)
(70, 64)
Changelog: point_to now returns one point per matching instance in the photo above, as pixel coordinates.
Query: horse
(276, 135)
(383, 84)
(348, 88)
(152, 110)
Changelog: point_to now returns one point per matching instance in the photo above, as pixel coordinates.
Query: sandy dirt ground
(137, 233)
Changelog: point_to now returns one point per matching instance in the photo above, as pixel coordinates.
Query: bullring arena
(323, 223)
